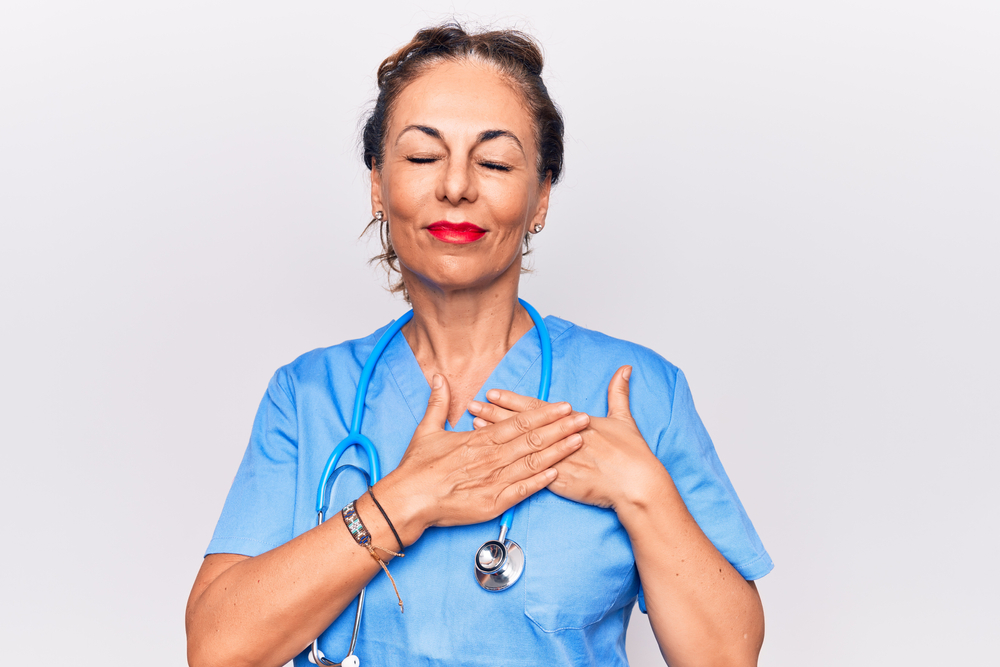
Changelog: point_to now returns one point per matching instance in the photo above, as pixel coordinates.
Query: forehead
(462, 98)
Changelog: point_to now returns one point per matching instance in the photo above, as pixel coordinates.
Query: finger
(513, 402)
(543, 438)
(523, 423)
(535, 462)
(518, 491)
(489, 412)
(437, 407)
(479, 423)
(618, 394)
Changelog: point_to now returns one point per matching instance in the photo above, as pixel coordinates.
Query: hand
(614, 465)
(455, 478)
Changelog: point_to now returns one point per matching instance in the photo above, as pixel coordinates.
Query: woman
(615, 482)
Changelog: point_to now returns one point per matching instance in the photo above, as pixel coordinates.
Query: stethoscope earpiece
(316, 657)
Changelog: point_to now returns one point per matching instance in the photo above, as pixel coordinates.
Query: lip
(456, 232)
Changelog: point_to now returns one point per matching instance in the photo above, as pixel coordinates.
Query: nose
(457, 181)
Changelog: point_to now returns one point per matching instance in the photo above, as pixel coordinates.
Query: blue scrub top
(573, 603)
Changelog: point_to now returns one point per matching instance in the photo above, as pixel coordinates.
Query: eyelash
(493, 166)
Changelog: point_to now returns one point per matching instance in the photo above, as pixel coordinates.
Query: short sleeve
(687, 452)
(259, 510)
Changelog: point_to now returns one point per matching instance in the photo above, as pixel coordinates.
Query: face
(459, 182)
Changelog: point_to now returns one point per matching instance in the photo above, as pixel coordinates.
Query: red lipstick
(456, 232)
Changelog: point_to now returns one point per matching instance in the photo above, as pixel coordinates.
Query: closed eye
(496, 166)
(421, 160)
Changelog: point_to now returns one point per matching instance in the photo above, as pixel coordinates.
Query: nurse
(617, 489)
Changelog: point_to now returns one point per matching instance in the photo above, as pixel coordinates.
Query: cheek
(407, 196)
(510, 209)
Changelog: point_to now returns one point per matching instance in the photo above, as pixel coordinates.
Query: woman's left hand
(614, 464)
(701, 610)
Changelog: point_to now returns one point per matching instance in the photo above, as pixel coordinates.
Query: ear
(376, 189)
(543, 204)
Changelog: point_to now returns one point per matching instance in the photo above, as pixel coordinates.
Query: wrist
(651, 490)
(403, 514)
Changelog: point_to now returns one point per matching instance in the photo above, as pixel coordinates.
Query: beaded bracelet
(354, 524)
(361, 535)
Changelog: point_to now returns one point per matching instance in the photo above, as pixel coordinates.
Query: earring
(379, 216)
(538, 228)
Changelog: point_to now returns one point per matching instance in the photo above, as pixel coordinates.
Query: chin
(456, 276)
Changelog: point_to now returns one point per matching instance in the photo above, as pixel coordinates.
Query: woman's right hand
(262, 610)
(451, 478)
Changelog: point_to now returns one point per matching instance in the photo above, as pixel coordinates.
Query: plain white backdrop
(797, 203)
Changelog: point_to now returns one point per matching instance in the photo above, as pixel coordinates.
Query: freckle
(678, 574)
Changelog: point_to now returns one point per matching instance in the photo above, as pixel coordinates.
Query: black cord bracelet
(386, 517)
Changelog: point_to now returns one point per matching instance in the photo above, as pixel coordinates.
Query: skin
(460, 146)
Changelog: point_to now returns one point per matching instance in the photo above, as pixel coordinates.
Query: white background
(797, 203)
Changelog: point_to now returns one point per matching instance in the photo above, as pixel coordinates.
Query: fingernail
(493, 394)
(475, 406)
(575, 440)
(627, 373)
(479, 422)
(551, 473)
(581, 419)
(437, 381)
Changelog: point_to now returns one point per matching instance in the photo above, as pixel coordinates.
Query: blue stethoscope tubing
(357, 439)
(543, 385)
(354, 436)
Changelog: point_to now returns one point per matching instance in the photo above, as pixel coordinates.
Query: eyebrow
(430, 131)
(483, 136)
(493, 134)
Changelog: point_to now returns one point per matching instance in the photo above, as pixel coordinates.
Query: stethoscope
(498, 563)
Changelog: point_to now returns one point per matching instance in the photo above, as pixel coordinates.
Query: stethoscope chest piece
(499, 564)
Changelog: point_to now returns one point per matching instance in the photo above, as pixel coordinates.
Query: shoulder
(584, 362)
(314, 369)
(577, 345)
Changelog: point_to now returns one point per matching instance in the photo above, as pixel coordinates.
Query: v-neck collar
(511, 373)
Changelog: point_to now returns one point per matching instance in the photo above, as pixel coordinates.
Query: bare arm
(262, 611)
(701, 610)
(265, 610)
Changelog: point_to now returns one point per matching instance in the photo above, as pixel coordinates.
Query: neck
(463, 334)
(452, 327)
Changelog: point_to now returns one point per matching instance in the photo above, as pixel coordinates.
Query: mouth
(456, 232)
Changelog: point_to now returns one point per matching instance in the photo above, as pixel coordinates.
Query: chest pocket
(578, 563)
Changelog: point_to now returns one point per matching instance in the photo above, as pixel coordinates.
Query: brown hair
(514, 54)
